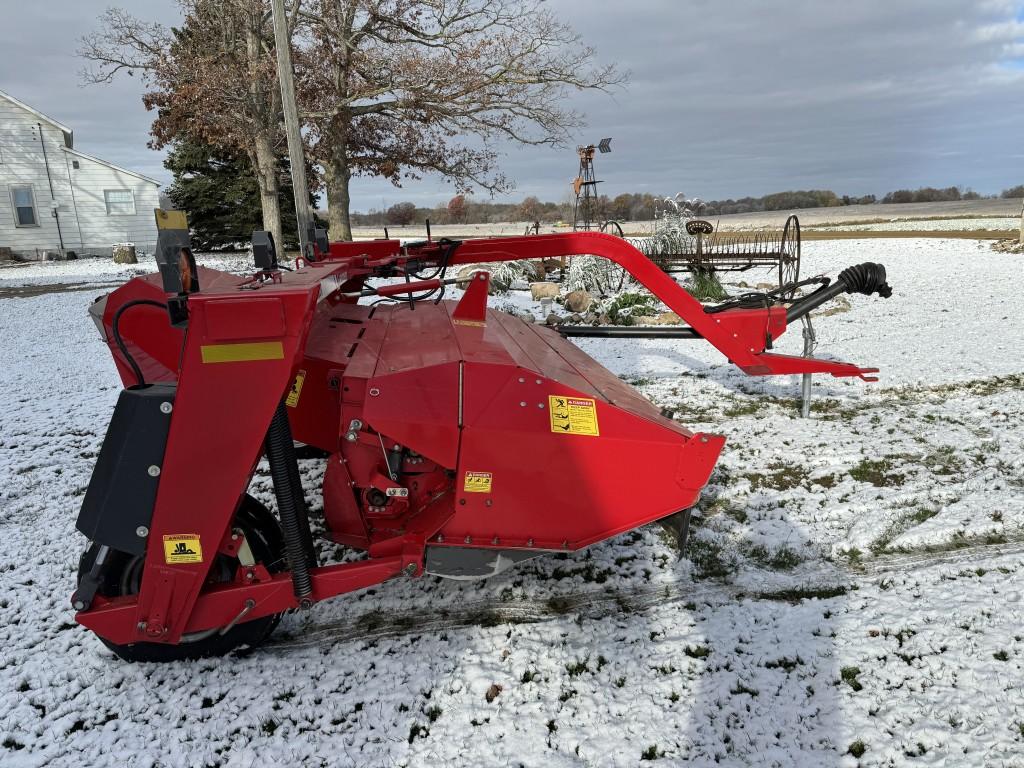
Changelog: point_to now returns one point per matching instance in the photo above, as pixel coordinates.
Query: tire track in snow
(597, 604)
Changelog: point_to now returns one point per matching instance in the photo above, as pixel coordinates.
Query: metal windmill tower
(584, 215)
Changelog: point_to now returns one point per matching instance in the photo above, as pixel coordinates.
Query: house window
(120, 202)
(24, 203)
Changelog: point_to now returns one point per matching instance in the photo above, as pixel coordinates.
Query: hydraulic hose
(115, 327)
(866, 278)
(291, 503)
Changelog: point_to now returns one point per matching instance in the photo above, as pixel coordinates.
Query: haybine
(459, 440)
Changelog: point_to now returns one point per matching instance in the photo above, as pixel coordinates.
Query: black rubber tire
(262, 532)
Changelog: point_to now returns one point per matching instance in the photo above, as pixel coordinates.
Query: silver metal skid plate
(471, 563)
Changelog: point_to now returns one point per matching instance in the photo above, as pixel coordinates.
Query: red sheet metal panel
(555, 484)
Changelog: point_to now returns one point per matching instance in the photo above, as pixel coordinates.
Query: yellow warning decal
(296, 391)
(170, 219)
(477, 482)
(241, 353)
(573, 415)
(182, 548)
(471, 323)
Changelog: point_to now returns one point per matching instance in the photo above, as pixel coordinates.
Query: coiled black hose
(866, 278)
(290, 502)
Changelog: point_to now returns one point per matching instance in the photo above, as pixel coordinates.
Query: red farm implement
(459, 440)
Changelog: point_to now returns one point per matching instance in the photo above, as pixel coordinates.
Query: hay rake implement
(696, 247)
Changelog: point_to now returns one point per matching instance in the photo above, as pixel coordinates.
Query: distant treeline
(643, 206)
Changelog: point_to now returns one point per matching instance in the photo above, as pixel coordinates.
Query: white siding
(100, 230)
(22, 164)
(82, 221)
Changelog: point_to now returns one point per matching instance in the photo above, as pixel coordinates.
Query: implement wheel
(123, 574)
(789, 256)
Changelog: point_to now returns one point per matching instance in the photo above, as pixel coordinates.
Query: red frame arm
(742, 335)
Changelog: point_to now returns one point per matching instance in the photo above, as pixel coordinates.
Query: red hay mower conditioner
(460, 440)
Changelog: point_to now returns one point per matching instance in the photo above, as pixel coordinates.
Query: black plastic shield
(122, 492)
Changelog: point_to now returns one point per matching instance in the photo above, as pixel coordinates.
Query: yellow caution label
(296, 391)
(573, 415)
(170, 219)
(241, 353)
(471, 323)
(477, 482)
(182, 548)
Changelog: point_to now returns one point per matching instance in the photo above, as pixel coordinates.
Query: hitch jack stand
(810, 342)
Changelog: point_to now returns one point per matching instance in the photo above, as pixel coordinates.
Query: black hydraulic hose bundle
(450, 246)
(291, 503)
(866, 278)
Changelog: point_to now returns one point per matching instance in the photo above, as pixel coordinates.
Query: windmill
(584, 213)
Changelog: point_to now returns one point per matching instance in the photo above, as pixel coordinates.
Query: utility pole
(296, 156)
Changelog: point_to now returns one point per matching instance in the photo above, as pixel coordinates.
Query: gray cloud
(726, 99)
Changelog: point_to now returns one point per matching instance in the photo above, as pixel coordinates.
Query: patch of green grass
(853, 555)
(959, 540)
(849, 676)
(827, 481)
(652, 753)
(945, 461)
(578, 667)
(785, 663)
(704, 285)
(697, 651)
(740, 689)
(418, 731)
(529, 676)
(710, 559)
(736, 512)
(919, 750)
(797, 594)
(781, 559)
(743, 408)
(624, 307)
(1001, 656)
(989, 386)
(780, 477)
(878, 472)
(901, 525)
(857, 748)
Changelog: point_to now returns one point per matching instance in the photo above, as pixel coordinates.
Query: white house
(55, 199)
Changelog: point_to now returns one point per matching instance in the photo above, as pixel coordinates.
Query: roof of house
(69, 135)
(111, 165)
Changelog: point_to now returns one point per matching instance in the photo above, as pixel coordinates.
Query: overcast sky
(726, 98)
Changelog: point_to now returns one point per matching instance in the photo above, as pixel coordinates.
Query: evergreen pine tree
(218, 191)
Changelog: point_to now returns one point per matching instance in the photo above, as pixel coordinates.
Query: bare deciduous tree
(391, 87)
(388, 87)
(214, 80)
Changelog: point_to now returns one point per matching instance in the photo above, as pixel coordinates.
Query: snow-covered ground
(851, 594)
(963, 224)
